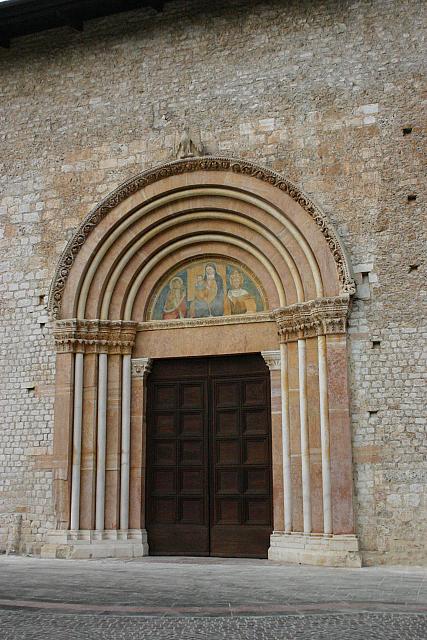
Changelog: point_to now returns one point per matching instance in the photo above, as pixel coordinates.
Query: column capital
(272, 359)
(318, 317)
(94, 336)
(141, 367)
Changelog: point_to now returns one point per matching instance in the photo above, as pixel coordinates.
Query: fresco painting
(207, 288)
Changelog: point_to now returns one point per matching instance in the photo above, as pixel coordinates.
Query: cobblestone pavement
(26, 625)
(209, 598)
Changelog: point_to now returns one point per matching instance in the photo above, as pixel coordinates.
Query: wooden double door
(209, 489)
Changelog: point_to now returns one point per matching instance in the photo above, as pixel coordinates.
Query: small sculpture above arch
(207, 287)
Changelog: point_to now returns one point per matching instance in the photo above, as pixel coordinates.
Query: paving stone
(28, 626)
(195, 598)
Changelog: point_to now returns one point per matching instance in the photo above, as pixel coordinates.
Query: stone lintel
(322, 316)
(94, 336)
(315, 549)
(214, 321)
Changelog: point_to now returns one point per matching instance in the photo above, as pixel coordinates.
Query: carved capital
(94, 336)
(141, 367)
(318, 317)
(272, 359)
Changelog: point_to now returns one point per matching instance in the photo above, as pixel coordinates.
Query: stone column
(114, 445)
(77, 441)
(305, 447)
(336, 545)
(340, 435)
(125, 452)
(63, 437)
(89, 445)
(273, 362)
(141, 367)
(101, 441)
(324, 436)
(111, 342)
(286, 437)
(277, 362)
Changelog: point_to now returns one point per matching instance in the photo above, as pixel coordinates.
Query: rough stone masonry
(332, 95)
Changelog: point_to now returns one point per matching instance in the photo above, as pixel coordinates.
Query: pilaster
(78, 343)
(141, 367)
(273, 361)
(323, 320)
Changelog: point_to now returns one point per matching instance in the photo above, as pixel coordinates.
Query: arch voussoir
(228, 166)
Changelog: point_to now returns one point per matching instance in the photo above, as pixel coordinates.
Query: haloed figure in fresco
(208, 294)
(203, 289)
(176, 300)
(238, 300)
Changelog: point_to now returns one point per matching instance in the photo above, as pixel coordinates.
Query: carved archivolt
(313, 318)
(185, 166)
(94, 336)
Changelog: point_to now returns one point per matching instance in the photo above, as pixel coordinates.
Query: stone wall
(327, 92)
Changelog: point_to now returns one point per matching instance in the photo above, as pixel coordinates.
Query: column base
(315, 549)
(86, 544)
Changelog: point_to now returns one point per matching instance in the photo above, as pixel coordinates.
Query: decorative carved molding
(94, 336)
(318, 317)
(155, 325)
(206, 163)
(272, 359)
(141, 367)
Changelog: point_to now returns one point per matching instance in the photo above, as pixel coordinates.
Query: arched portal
(202, 257)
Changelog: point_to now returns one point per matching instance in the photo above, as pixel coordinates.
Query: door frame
(98, 300)
(241, 372)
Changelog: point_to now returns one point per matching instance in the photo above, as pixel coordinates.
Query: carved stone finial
(189, 144)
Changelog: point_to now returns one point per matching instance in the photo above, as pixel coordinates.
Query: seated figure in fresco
(238, 300)
(176, 301)
(208, 294)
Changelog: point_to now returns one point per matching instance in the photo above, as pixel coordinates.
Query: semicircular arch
(242, 184)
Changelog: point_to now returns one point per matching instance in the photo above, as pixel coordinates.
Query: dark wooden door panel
(165, 396)
(255, 421)
(239, 541)
(209, 457)
(178, 539)
(241, 504)
(177, 466)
